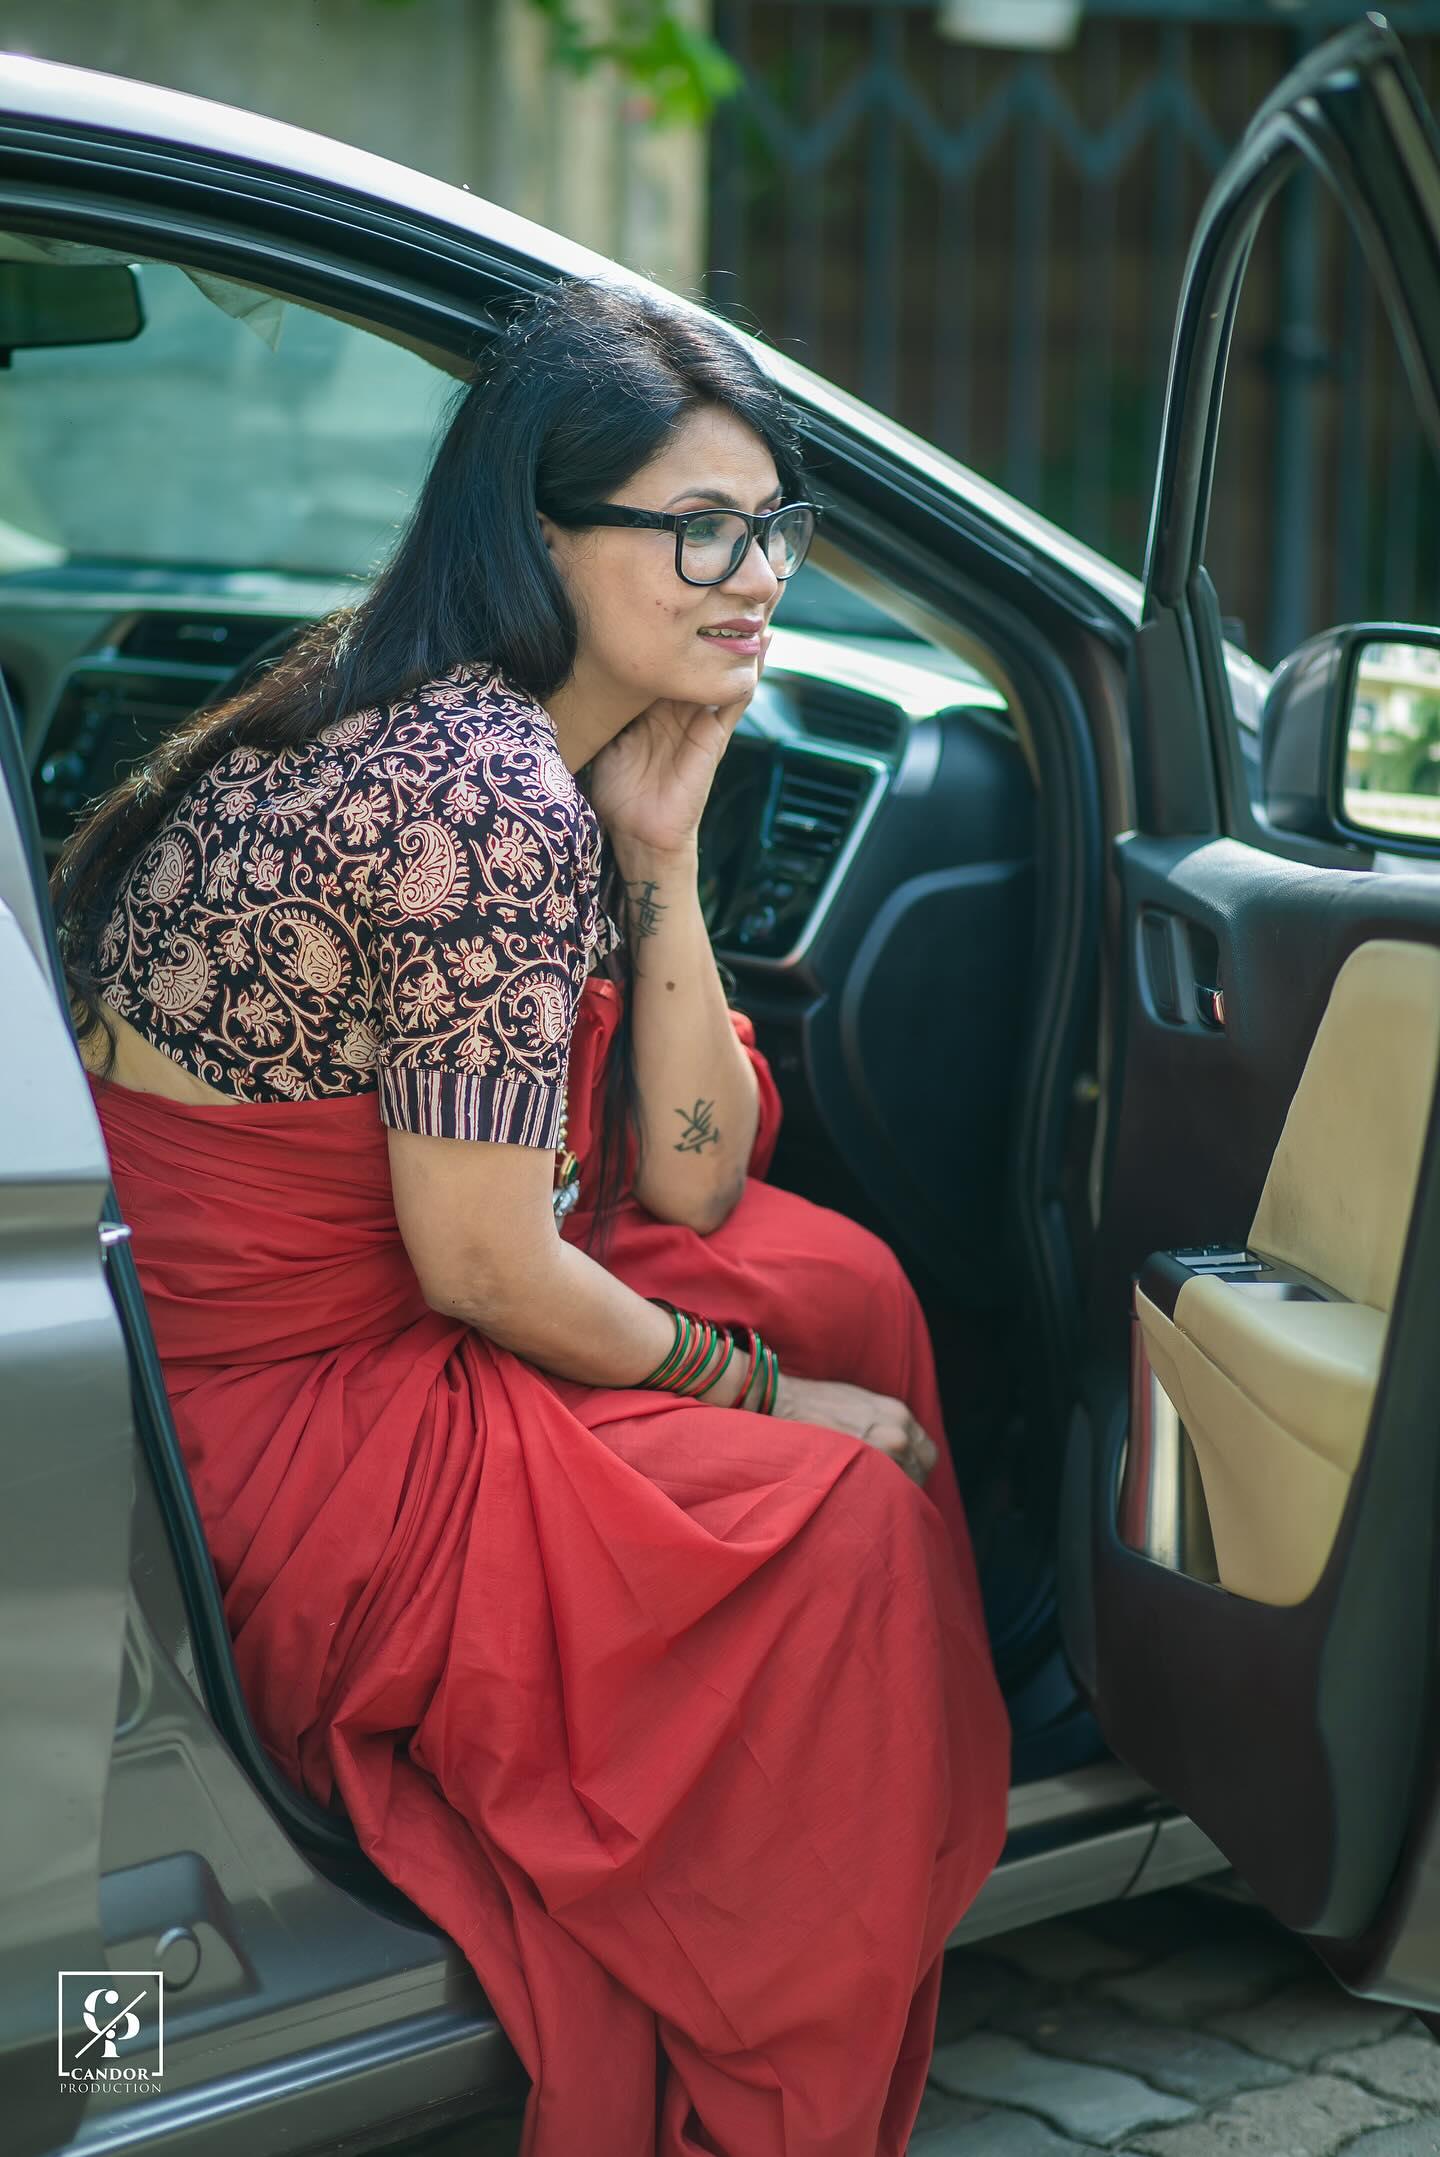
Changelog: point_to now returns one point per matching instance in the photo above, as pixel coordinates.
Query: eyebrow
(721, 501)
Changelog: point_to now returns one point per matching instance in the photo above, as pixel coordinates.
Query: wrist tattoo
(700, 1130)
(645, 908)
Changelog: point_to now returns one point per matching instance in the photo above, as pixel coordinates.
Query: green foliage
(678, 74)
(1407, 764)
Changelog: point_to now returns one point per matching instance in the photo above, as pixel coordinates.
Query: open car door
(1251, 1514)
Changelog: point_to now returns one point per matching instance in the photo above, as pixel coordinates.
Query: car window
(817, 601)
(197, 444)
(1338, 520)
(238, 432)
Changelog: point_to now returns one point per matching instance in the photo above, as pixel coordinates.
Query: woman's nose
(753, 574)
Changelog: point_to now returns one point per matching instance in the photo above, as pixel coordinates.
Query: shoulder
(469, 744)
(483, 811)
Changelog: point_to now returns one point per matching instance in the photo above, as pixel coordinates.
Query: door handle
(1179, 960)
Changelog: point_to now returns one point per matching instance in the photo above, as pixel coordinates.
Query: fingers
(922, 1444)
(922, 1451)
(897, 1433)
(888, 1437)
(906, 1445)
(730, 715)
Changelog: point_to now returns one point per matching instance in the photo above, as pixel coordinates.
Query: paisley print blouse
(408, 903)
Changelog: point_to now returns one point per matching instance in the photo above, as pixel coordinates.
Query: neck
(587, 711)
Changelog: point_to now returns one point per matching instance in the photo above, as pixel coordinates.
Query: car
(1087, 980)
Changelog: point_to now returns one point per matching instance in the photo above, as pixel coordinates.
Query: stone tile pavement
(1181, 2025)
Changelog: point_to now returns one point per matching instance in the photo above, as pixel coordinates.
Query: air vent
(815, 808)
(221, 641)
(840, 715)
(773, 904)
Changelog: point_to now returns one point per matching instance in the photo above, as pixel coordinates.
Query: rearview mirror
(49, 304)
(1350, 734)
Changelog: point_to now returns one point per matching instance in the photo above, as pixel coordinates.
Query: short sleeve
(480, 905)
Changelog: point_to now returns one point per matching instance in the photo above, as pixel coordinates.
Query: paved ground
(1182, 2025)
(1176, 2026)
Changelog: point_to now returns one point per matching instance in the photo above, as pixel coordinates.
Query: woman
(612, 1576)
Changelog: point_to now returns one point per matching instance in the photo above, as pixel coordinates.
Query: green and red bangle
(702, 1352)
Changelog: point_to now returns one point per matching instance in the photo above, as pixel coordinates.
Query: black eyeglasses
(710, 544)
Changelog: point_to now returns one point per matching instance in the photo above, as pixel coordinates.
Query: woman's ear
(547, 530)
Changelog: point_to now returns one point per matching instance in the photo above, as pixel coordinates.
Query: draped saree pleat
(679, 1720)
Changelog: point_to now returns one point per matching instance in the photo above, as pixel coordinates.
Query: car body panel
(64, 1487)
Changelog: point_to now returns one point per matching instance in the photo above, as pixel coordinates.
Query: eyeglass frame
(678, 521)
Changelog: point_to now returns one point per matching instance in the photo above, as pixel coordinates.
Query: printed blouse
(407, 903)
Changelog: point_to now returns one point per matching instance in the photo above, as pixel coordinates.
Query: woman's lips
(746, 644)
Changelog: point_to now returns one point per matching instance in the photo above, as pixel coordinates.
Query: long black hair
(579, 388)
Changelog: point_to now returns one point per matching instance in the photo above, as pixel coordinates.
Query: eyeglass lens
(714, 543)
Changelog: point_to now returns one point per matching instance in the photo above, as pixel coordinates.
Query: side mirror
(48, 304)
(1350, 734)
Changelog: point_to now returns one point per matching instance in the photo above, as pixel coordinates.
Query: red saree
(679, 1720)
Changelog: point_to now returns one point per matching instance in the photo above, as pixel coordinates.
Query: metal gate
(989, 245)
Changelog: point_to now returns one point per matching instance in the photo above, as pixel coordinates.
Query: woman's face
(645, 632)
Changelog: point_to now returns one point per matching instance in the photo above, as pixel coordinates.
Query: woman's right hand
(874, 1418)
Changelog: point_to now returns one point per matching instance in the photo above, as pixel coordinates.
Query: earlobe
(547, 530)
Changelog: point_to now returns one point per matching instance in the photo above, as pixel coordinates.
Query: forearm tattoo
(645, 908)
(700, 1130)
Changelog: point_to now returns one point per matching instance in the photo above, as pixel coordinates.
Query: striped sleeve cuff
(508, 1111)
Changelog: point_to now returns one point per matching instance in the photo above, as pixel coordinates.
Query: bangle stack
(702, 1352)
(762, 1376)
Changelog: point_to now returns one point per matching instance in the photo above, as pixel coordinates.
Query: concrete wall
(457, 88)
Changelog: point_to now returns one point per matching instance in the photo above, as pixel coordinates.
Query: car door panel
(1252, 1609)
(1275, 1380)
(1197, 1110)
(1293, 1740)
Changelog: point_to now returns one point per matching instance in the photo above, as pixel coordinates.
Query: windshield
(236, 432)
(197, 444)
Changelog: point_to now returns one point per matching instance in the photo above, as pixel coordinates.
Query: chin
(729, 677)
(713, 681)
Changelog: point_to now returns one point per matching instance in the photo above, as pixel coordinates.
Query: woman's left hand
(650, 783)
